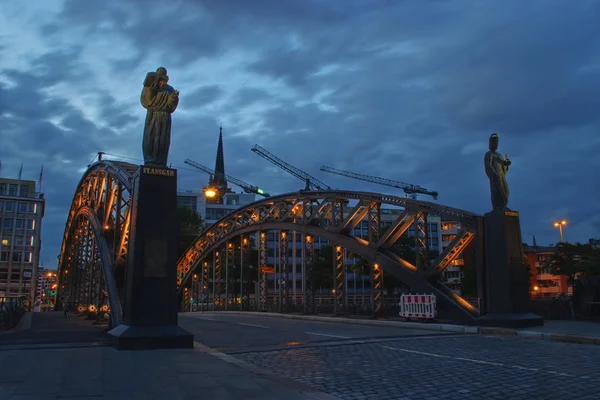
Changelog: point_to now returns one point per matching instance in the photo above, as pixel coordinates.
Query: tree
(322, 274)
(190, 225)
(573, 259)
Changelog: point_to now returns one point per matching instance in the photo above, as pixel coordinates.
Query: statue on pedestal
(496, 168)
(160, 100)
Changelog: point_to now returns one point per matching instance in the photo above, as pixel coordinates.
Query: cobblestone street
(458, 367)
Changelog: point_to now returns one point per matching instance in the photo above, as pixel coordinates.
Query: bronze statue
(496, 168)
(160, 100)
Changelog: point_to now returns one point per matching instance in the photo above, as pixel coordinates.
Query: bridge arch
(328, 214)
(94, 248)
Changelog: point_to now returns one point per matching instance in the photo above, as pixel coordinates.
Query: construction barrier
(418, 306)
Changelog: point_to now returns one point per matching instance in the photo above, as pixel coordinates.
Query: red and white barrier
(418, 306)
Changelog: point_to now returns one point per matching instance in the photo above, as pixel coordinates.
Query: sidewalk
(583, 332)
(52, 357)
(104, 373)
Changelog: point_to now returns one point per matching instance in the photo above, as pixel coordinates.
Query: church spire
(219, 177)
(534, 242)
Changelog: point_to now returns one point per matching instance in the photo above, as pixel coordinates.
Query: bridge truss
(93, 256)
(331, 215)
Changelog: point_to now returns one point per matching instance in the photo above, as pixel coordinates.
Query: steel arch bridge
(332, 215)
(93, 256)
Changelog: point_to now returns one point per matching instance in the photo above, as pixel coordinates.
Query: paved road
(360, 362)
(235, 334)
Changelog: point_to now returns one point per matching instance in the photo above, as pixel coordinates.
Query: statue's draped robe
(157, 131)
(496, 171)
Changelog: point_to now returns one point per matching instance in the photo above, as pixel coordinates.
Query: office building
(21, 213)
(47, 282)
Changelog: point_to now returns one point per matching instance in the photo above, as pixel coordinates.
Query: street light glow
(210, 193)
(559, 225)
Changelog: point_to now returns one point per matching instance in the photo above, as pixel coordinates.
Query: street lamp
(210, 192)
(559, 225)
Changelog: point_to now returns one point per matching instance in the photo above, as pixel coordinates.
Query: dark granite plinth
(126, 337)
(511, 320)
(150, 307)
(505, 276)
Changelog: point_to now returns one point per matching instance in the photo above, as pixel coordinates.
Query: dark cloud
(202, 96)
(404, 90)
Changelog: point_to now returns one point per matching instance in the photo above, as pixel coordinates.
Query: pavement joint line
(330, 343)
(52, 346)
(496, 364)
(253, 325)
(528, 334)
(328, 335)
(288, 382)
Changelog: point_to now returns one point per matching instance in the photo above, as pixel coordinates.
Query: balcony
(551, 290)
(547, 277)
(450, 231)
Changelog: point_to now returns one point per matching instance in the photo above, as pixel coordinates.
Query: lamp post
(559, 225)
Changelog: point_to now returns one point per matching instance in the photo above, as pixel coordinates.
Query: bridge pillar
(150, 307)
(308, 260)
(377, 302)
(504, 274)
(262, 271)
(340, 299)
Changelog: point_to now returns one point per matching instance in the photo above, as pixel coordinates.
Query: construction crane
(312, 183)
(246, 186)
(411, 190)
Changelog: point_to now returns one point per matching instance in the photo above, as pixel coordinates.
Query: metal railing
(11, 312)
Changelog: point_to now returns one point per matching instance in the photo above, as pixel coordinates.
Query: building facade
(543, 283)
(47, 282)
(212, 212)
(452, 276)
(21, 213)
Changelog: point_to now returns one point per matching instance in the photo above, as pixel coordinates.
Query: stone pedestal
(504, 275)
(151, 306)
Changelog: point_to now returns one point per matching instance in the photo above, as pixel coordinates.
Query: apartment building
(543, 283)
(21, 213)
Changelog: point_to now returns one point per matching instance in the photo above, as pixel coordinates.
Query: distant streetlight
(210, 192)
(559, 225)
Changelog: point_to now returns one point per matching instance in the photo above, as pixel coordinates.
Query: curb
(535, 335)
(287, 382)
(25, 322)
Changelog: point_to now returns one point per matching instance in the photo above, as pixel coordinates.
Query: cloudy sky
(408, 90)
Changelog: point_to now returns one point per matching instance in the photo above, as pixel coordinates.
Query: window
(5, 240)
(10, 206)
(30, 240)
(1, 204)
(2, 188)
(22, 207)
(20, 223)
(31, 224)
(4, 256)
(24, 191)
(12, 190)
(19, 240)
(8, 222)
(32, 208)
(17, 256)
(28, 257)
